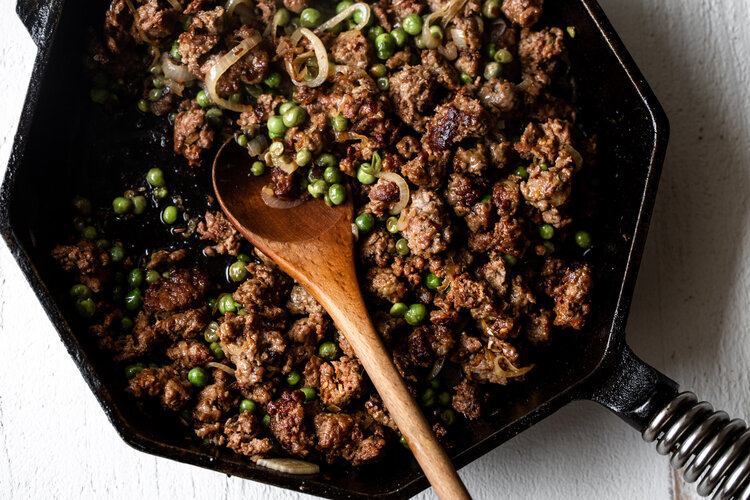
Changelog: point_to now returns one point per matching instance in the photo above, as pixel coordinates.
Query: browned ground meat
(463, 281)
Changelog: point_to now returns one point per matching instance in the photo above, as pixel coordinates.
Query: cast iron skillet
(66, 145)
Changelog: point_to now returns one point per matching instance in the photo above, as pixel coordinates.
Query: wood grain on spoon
(313, 244)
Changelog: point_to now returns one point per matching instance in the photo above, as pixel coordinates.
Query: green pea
(433, 282)
(282, 17)
(521, 172)
(273, 80)
(340, 123)
(103, 244)
(214, 117)
(226, 304)
(133, 299)
(248, 405)
(378, 70)
(126, 324)
(314, 175)
(385, 45)
(237, 272)
(391, 225)
(503, 56)
(404, 442)
(402, 246)
(243, 257)
(133, 370)
(583, 239)
(266, 421)
(122, 205)
(546, 231)
(169, 215)
(293, 378)
(383, 83)
(217, 351)
(99, 96)
(294, 117)
(310, 18)
(139, 204)
(543, 167)
(211, 333)
(399, 36)
(374, 32)
(79, 291)
(143, 106)
(398, 310)
(154, 94)
(467, 79)
(332, 175)
(117, 253)
(152, 276)
(203, 100)
(492, 70)
(491, 9)
(135, 278)
(416, 314)
(486, 199)
(491, 50)
(198, 377)
(436, 32)
(258, 168)
(412, 24)
(342, 6)
(326, 160)
(241, 140)
(364, 176)
(241, 311)
(448, 417)
(510, 259)
(549, 246)
(571, 30)
(427, 399)
(286, 107)
(161, 192)
(310, 393)
(89, 232)
(276, 148)
(328, 351)
(318, 188)
(175, 51)
(365, 222)
(276, 125)
(435, 383)
(444, 398)
(337, 194)
(155, 177)
(186, 22)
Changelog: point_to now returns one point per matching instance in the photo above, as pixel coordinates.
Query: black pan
(66, 145)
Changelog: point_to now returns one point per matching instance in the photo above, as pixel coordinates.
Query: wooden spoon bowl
(313, 243)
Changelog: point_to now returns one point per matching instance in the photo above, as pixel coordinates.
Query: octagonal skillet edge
(640, 395)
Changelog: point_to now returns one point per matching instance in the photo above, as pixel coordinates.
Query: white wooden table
(690, 317)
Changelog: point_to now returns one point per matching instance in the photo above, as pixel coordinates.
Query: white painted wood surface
(690, 317)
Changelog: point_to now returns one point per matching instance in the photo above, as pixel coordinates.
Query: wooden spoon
(313, 244)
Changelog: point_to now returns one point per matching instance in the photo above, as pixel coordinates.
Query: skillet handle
(40, 18)
(714, 449)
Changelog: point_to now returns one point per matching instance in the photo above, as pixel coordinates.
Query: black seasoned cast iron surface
(98, 155)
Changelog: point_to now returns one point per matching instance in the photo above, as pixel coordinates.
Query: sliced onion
(403, 221)
(500, 371)
(436, 368)
(320, 53)
(445, 14)
(359, 6)
(175, 72)
(136, 19)
(577, 158)
(274, 201)
(355, 232)
(175, 5)
(347, 135)
(459, 38)
(448, 51)
(222, 65)
(430, 41)
(222, 367)
(403, 190)
(244, 10)
(257, 145)
(174, 87)
(289, 465)
(451, 10)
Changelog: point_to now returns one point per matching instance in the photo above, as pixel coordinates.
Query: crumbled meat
(157, 23)
(165, 383)
(296, 6)
(202, 35)
(413, 92)
(378, 248)
(383, 195)
(341, 382)
(352, 49)
(428, 229)
(381, 282)
(184, 288)
(90, 263)
(571, 290)
(524, 13)
(290, 425)
(192, 134)
(468, 399)
(242, 434)
(461, 118)
(538, 52)
(217, 228)
(160, 257)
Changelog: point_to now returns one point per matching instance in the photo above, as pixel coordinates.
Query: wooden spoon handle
(350, 316)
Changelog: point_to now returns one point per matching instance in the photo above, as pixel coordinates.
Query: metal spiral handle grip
(719, 447)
